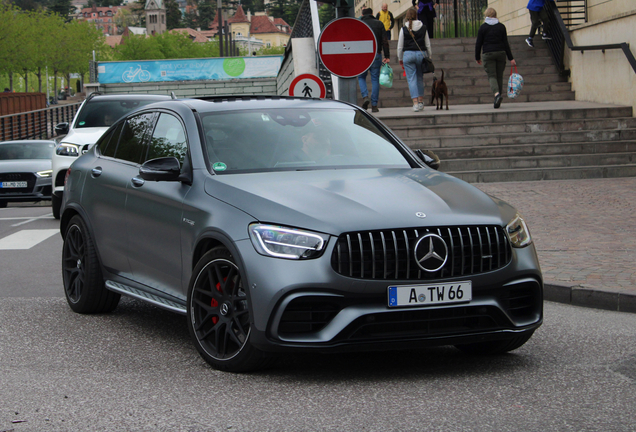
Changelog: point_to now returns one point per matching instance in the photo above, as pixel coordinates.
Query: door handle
(96, 172)
(136, 181)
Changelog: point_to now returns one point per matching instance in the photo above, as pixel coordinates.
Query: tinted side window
(168, 139)
(108, 142)
(131, 144)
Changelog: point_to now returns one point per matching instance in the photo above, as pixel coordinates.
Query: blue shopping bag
(386, 76)
(515, 83)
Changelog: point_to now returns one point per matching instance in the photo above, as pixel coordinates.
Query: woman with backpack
(413, 46)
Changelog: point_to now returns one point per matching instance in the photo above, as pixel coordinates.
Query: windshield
(278, 139)
(26, 151)
(103, 113)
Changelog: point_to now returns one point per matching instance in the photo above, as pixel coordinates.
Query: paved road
(136, 370)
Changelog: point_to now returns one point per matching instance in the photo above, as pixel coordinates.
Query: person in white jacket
(413, 46)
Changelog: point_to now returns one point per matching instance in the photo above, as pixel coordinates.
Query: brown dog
(438, 92)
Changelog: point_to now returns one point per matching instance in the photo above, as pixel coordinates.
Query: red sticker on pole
(347, 47)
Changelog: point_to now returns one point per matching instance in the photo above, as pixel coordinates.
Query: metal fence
(459, 18)
(38, 124)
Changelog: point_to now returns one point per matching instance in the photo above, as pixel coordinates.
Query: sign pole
(347, 87)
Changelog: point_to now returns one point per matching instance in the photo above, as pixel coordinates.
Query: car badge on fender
(420, 215)
(431, 252)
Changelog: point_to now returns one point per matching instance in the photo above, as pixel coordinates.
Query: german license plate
(18, 184)
(425, 295)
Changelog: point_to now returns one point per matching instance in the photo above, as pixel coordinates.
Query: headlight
(518, 233)
(45, 173)
(288, 243)
(66, 149)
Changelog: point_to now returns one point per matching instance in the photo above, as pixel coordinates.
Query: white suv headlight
(66, 149)
(288, 243)
(45, 173)
(518, 233)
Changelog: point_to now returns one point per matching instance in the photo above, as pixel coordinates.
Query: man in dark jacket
(383, 45)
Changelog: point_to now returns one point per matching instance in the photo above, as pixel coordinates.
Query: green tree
(124, 18)
(207, 12)
(173, 15)
(12, 29)
(63, 8)
(138, 10)
(191, 20)
(138, 47)
(326, 13)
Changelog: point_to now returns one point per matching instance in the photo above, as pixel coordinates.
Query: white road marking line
(46, 216)
(26, 239)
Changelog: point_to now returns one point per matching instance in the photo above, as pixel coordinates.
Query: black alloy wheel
(218, 314)
(83, 282)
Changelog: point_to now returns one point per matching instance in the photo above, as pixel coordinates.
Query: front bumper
(306, 305)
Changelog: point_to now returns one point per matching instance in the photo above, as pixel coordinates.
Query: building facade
(155, 17)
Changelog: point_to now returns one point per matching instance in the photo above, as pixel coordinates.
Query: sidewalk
(585, 234)
(584, 230)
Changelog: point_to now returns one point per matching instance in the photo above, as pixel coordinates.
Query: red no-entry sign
(347, 47)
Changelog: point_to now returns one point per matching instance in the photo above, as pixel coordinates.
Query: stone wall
(285, 74)
(185, 89)
(604, 77)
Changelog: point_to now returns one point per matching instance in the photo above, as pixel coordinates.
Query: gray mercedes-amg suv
(279, 224)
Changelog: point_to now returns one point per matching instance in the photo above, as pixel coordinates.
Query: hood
(491, 21)
(336, 201)
(84, 135)
(417, 25)
(24, 165)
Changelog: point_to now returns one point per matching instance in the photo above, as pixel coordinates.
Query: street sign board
(347, 47)
(308, 85)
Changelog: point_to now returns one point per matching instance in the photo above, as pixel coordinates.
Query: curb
(592, 298)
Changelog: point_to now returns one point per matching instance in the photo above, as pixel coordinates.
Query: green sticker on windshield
(219, 166)
(82, 123)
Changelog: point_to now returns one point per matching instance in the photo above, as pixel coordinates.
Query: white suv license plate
(426, 295)
(18, 184)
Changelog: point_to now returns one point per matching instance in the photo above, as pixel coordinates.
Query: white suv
(93, 118)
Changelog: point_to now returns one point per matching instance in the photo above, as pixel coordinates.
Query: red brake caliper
(215, 303)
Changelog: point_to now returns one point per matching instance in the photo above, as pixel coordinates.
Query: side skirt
(162, 302)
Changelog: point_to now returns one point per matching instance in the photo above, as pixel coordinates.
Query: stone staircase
(544, 134)
(467, 82)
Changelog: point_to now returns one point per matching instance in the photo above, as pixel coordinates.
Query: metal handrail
(556, 45)
(37, 124)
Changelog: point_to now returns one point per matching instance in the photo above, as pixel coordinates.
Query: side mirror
(161, 169)
(429, 158)
(62, 128)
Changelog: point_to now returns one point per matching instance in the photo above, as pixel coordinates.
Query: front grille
(13, 177)
(389, 254)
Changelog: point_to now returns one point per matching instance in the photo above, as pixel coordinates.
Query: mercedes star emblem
(431, 252)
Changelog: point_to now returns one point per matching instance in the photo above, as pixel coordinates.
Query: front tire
(218, 314)
(495, 347)
(83, 281)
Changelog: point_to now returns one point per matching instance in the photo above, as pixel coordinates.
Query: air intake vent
(390, 254)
